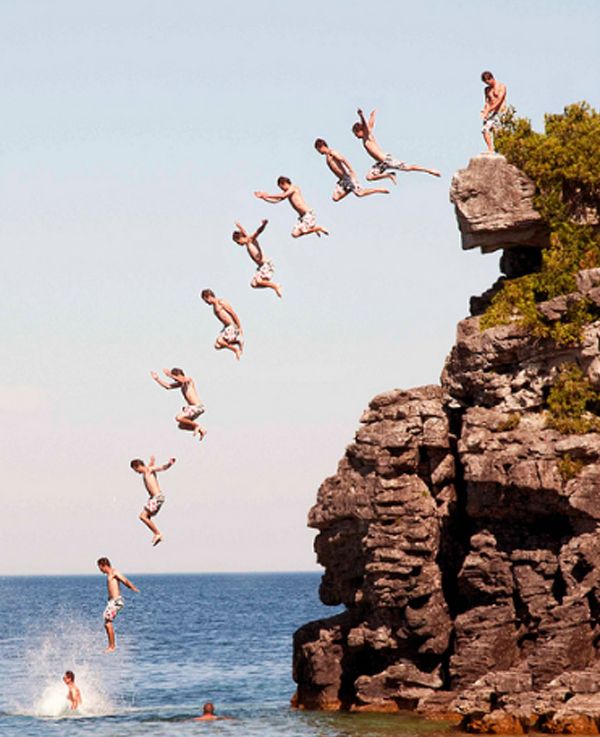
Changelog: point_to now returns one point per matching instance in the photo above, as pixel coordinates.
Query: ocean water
(184, 640)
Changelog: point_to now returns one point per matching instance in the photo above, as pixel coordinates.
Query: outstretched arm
(165, 466)
(242, 230)
(162, 383)
(273, 198)
(372, 120)
(126, 582)
(260, 229)
(363, 120)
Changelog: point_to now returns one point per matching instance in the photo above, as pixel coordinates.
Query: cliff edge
(460, 531)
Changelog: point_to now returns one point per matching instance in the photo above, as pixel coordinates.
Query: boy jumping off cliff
(383, 162)
(73, 693)
(157, 498)
(307, 221)
(194, 407)
(495, 98)
(265, 267)
(231, 336)
(347, 180)
(115, 601)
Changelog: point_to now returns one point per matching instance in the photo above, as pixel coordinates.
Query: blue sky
(133, 136)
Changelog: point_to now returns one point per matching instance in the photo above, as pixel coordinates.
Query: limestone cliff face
(468, 562)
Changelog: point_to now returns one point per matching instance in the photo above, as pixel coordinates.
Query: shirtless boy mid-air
(194, 407)
(346, 176)
(73, 693)
(265, 267)
(231, 336)
(383, 162)
(495, 97)
(157, 498)
(307, 221)
(114, 579)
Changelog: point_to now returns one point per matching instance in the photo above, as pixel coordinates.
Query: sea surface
(184, 640)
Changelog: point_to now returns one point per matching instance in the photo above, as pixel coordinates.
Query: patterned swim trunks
(346, 184)
(491, 123)
(305, 222)
(264, 272)
(113, 607)
(191, 411)
(380, 167)
(153, 505)
(230, 334)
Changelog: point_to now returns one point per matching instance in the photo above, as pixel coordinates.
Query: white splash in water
(67, 644)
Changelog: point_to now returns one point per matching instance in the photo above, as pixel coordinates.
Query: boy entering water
(157, 498)
(194, 407)
(383, 162)
(73, 693)
(114, 579)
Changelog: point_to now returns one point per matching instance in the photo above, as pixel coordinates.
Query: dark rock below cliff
(468, 562)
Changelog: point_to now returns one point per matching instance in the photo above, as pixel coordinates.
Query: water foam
(66, 644)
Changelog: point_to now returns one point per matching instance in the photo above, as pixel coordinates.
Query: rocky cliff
(461, 529)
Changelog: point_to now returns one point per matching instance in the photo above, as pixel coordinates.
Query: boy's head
(69, 677)
(208, 708)
(359, 130)
(487, 77)
(103, 564)
(284, 183)
(321, 145)
(237, 236)
(137, 464)
(177, 372)
(208, 295)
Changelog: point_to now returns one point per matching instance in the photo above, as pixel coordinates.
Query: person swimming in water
(73, 693)
(208, 713)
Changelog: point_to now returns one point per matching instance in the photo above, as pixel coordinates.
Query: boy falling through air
(194, 407)
(157, 499)
(346, 176)
(231, 335)
(265, 267)
(383, 162)
(73, 693)
(307, 221)
(495, 97)
(115, 601)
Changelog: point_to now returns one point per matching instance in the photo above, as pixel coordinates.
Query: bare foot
(435, 173)
(278, 291)
(200, 433)
(393, 178)
(110, 649)
(156, 539)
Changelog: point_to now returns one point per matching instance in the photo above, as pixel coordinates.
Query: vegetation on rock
(564, 163)
(569, 400)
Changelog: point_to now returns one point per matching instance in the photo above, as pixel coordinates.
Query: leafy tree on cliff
(564, 163)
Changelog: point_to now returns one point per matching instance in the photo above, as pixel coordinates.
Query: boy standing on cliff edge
(495, 98)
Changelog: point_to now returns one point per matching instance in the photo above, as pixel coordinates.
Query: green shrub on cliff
(564, 163)
(569, 400)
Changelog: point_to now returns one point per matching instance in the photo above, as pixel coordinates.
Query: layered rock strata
(461, 535)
